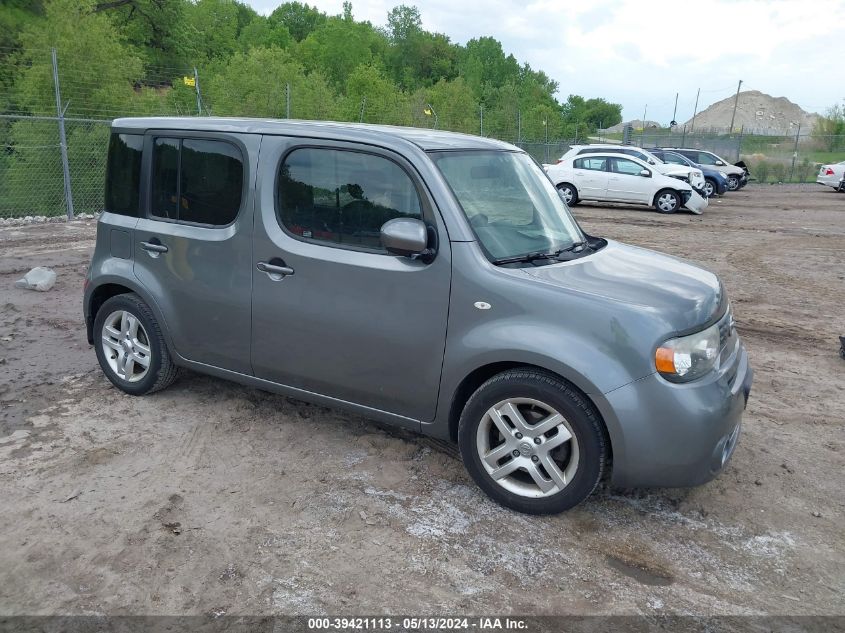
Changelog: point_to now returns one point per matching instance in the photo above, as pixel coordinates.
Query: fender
(127, 280)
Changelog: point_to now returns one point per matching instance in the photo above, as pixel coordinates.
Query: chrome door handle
(273, 270)
(154, 249)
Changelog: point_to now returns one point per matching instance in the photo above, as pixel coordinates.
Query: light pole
(736, 101)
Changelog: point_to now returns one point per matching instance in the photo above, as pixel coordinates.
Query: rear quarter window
(123, 174)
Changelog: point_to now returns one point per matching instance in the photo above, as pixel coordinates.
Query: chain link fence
(42, 103)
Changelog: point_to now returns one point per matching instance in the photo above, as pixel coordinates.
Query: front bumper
(696, 202)
(677, 435)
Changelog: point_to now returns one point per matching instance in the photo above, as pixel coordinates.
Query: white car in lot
(693, 176)
(614, 177)
(831, 175)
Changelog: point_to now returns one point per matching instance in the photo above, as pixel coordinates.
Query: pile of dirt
(755, 111)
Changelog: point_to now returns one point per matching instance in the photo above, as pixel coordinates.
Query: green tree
(210, 29)
(253, 84)
(339, 46)
(829, 130)
(299, 18)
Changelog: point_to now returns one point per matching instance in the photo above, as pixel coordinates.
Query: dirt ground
(211, 498)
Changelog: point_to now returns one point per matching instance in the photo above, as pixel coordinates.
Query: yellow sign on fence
(189, 81)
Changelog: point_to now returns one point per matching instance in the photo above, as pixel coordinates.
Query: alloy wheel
(667, 202)
(126, 346)
(527, 447)
(567, 194)
(708, 188)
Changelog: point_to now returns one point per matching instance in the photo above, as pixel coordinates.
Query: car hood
(683, 295)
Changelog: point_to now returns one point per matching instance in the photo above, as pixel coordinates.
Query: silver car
(430, 280)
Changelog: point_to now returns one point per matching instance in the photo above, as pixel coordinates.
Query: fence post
(794, 153)
(197, 89)
(287, 100)
(684, 136)
(60, 113)
(739, 144)
(518, 126)
(481, 110)
(363, 105)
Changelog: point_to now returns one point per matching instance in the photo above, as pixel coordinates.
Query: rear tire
(130, 346)
(533, 442)
(667, 201)
(569, 193)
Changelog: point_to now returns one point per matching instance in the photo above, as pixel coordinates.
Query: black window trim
(139, 210)
(150, 137)
(426, 205)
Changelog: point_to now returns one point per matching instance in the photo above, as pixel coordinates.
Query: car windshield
(672, 157)
(510, 203)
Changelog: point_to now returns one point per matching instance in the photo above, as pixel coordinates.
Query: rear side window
(196, 180)
(342, 197)
(595, 164)
(123, 174)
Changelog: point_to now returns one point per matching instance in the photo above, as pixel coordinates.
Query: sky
(641, 53)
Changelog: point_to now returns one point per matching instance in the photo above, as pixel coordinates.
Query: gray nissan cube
(430, 280)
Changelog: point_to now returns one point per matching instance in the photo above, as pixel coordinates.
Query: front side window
(343, 197)
(196, 180)
(123, 174)
(593, 164)
(627, 167)
(706, 159)
(509, 202)
(674, 159)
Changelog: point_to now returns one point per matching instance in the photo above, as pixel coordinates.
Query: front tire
(667, 201)
(733, 183)
(130, 346)
(569, 193)
(532, 442)
(710, 187)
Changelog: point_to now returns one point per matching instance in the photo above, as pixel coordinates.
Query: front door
(193, 244)
(332, 312)
(626, 183)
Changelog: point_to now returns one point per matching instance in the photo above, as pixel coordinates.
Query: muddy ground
(212, 498)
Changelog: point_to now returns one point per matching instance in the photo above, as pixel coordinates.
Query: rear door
(345, 319)
(591, 177)
(193, 243)
(626, 184)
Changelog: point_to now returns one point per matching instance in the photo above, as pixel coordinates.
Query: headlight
(698, 174)
(688, 357)
(723, 175)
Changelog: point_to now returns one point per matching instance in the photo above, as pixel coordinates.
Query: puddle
(639, 573)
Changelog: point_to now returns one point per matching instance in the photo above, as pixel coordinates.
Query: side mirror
(719, 163)
(404, 236)
(645, 173)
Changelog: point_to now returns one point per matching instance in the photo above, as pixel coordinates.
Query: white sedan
(611, 177)
(831, 175)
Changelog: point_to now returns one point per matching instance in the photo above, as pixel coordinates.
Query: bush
(761, 171)
(779, 172)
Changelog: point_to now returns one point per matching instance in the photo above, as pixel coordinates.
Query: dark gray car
(430, 280)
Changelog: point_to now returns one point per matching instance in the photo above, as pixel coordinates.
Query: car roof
(604, 153)
(358, 132)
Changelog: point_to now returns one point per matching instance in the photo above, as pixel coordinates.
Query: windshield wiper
(577, 247)
(525, 257)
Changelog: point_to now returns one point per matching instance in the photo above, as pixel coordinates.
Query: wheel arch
(478, 376)
(105, 289)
